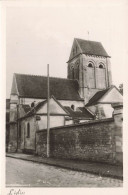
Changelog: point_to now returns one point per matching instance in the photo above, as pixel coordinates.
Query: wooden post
(48, 115)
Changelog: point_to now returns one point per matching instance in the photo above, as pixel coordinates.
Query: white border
(57, 191)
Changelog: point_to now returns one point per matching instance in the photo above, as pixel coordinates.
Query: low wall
(92, 141)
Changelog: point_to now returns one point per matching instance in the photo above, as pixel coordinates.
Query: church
(86, 94)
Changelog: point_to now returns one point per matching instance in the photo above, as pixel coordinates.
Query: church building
(86, 94)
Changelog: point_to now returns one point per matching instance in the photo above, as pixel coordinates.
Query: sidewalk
(88, 167)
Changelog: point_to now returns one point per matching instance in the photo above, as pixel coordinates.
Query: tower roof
(90, 48)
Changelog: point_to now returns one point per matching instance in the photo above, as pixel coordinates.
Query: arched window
(101, 76)
(28, 130)
(72, 107)
(101, 65)
(33, 104)
(90, 75)
(90, 65)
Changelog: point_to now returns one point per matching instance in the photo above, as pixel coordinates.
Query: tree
(121, 88)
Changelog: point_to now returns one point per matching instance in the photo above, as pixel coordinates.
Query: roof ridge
(101, 92)
(43, 76)
(87, 40)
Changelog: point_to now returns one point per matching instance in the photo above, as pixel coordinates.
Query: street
(26, 173)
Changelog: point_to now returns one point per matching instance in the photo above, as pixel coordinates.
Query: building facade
(89, 63)
(86, 94)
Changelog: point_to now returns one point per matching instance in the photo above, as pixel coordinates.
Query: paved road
(25, 173)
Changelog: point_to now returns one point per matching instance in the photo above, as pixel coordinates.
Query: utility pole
(17, 107)
(48, 115)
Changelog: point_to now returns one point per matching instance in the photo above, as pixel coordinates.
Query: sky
(41, 34)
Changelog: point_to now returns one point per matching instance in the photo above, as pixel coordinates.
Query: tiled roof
(81, 113)
(30, 86)
(90, 48)
(96, 97)
(33, 110)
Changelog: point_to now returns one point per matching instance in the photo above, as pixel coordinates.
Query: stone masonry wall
(93, 141)
(41, 143)
(12, 145)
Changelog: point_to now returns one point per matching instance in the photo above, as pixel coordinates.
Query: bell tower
(89, 64)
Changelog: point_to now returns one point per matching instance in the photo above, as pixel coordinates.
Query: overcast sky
(36, 36)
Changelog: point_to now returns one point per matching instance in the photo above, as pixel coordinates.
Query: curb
(70, 168)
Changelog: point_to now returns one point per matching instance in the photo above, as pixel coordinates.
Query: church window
(33, 104)
(28, 130)
(90, 72)
(72, 107)
(101, 76)
(101, 65)
(90, 65)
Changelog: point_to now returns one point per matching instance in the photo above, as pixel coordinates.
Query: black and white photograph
(64, 94)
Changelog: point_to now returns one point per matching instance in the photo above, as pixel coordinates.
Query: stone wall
(41, 143)
(12, 145)
(92, 141)
(118, 118)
